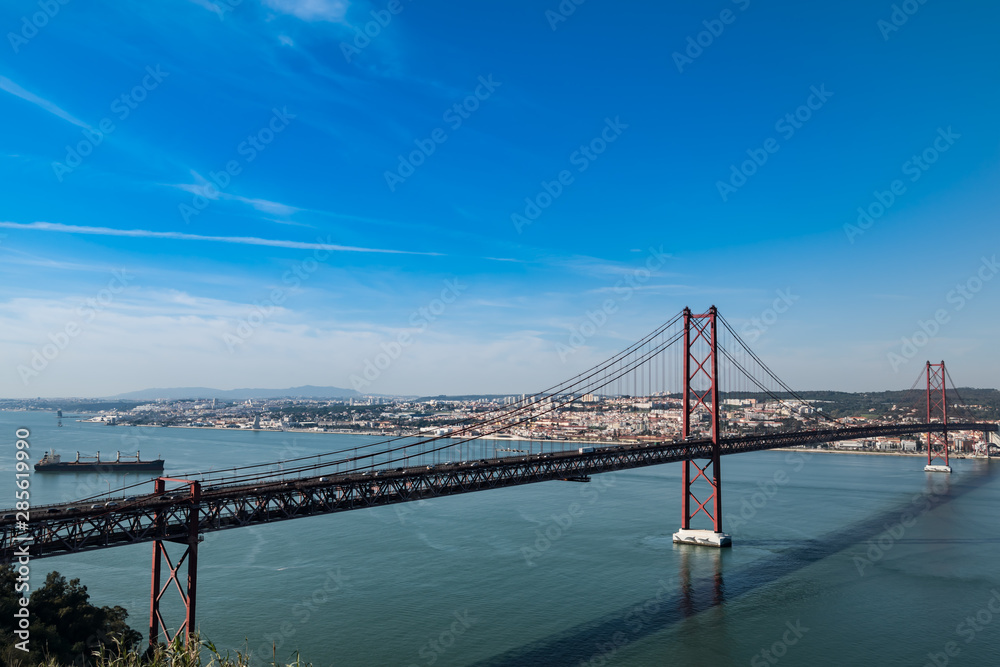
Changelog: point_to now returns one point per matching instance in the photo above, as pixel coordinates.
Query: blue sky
(129, 247)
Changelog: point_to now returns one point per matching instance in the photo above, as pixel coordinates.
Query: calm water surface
(822, 571)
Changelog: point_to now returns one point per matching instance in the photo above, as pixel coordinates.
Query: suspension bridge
(697, 363)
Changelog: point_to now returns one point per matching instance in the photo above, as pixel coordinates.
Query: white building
(850, 444)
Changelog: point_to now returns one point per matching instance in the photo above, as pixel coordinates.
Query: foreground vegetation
(64, 625)
(198, 654)
(66, 630)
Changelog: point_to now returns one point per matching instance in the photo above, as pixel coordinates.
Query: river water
(838, 559)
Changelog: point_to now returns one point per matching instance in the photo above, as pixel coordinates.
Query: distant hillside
(460, 397)
(964, 403)
(178, 393)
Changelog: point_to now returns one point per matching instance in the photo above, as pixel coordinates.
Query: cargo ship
(52, 462)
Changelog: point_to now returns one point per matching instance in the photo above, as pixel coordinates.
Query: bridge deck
(67, 528)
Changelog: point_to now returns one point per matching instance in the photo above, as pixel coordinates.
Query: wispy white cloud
(293, 223)
(312, 10)
(9, 86)
(208, 190)
(180, 236)
(265, 206)
(210, 6)
(596, 267)
(675, 289)
(19, 257)
(196, 189)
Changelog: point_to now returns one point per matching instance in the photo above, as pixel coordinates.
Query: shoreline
(922, 455)
(519, 439)
(372, 433)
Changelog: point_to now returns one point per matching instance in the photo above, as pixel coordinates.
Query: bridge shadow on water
(594, 642)
(923, 540)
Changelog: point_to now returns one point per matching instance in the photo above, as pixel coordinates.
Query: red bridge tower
(701, 391)
(937, 404)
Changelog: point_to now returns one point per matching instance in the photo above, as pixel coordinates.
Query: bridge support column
(188, 594)
(937, 403)
(701, 370)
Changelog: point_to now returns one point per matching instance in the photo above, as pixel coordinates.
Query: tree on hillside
(64, 625)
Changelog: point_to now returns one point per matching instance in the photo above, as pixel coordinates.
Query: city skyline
(254, 194)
